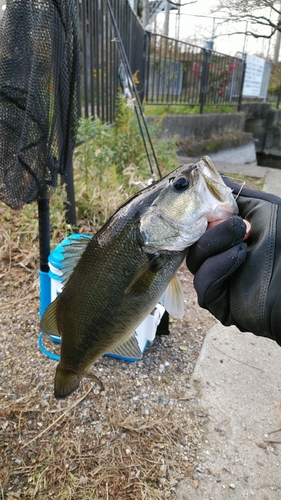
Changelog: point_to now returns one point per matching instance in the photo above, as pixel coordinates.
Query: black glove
(240, 282)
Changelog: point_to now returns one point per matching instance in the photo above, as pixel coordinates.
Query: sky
(196, 25)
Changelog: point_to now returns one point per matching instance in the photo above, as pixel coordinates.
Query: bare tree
(262, 18)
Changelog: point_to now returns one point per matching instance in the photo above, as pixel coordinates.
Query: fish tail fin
(48, 323)
(66, 382)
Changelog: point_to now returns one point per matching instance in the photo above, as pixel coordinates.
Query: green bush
(110, 164)
(275, 79)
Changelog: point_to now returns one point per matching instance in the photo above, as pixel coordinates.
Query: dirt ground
(135, 440)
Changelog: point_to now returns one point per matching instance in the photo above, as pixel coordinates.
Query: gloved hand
(240, 282)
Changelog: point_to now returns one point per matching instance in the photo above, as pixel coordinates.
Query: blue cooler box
(145, 332)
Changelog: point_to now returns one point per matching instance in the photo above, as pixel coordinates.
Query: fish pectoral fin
(129, 349)
(145, 277)
(48, 323)
(65, 382)
(174, 298)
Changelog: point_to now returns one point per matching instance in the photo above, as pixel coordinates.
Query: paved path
(237, 380)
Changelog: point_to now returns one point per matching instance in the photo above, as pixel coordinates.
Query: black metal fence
(100, 56)
(166, 71)
(181, 73)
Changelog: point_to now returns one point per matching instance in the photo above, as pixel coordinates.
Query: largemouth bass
(114, 280)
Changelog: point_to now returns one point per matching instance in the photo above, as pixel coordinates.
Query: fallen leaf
(183, 348)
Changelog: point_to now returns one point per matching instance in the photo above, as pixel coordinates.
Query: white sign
(253, 82)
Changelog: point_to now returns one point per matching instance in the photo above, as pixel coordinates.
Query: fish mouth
(193, 167)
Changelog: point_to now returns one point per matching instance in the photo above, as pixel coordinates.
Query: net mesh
(39, 89)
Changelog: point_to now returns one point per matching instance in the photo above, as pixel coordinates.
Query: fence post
(278, 98)
(242, 83)
(204, 79)
(84, 54)
(142, 91)
(147, 45)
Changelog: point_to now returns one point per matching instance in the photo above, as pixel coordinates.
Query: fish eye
(181, 184)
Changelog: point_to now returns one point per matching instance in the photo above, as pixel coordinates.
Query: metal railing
(181, 73)
(100, 58)
(166, 71)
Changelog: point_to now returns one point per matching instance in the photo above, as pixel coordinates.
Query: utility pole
(167, 18)
(145, 13)
(245, 38)
(277, 45)
(278, 39)
(178, 16)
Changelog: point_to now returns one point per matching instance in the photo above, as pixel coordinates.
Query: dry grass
(131, 457)
(136, 440)
(19, 233)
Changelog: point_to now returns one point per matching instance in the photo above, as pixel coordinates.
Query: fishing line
(239, 182)
(238, 194)
(134, 92)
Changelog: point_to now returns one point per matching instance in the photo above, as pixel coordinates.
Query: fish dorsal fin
(129, 349)
(72, 253)
(174, 298)
(48, 323)
(145, 277)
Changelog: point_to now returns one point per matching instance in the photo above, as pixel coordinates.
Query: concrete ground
(237, 380)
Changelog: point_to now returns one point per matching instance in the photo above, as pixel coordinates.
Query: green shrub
(110, 164)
